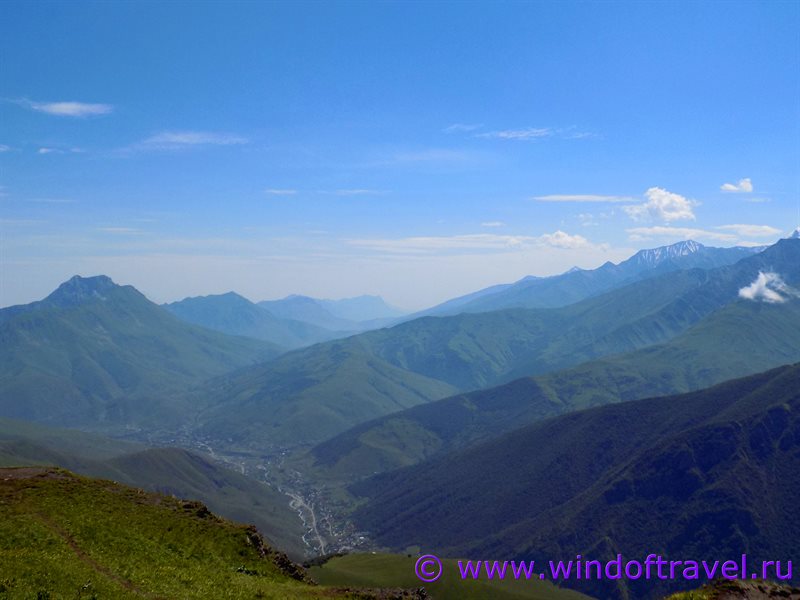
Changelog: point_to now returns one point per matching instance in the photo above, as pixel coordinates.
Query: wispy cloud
(49, 150)
(179, 140)
(662, 205)
(530, 133)
(67, 109)
(638, 234)
(582, 198)
(280, 192)
(751, 230)
(493, 224)
(744, 186)
(768, 287)
(472, 242)
(4, 148)
(461, 128)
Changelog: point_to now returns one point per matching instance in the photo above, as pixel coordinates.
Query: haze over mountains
(578, 284)
(347, 414)
(708, 351)
(352, 380)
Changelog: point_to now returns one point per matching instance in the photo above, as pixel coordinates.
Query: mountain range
(578, 284)
(352, 380)
(235, 315)
(680, 476)
(93, 352)
(348, 314)
(708, 353)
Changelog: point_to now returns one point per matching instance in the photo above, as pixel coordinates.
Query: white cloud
(59, 151)
(461, 128)
(530, 133)
(582, 198)
(4, 148)
(492, 224)
(751, 230)
(280, 192)
(559, 239)
(638, 234)
(745, 185)
(662, 205)
(68, 109)
(768, 287)
(177, 140)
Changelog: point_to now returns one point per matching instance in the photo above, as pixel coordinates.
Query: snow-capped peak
(655, 256)
(795, 234)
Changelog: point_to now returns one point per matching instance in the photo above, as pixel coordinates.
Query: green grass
(66, 536)
(395, 570)
(166, 470)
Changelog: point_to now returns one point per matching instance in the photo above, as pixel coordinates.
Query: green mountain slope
(65, 536)
(710, 352)
(94, 352)
(707, 475)
(166, 470)
(427, 358)
(232, 314)
(311, 396)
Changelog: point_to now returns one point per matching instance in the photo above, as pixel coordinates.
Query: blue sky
(413, 150)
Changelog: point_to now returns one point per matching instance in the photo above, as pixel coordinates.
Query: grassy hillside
(710, 352)
(232, 314)
(65, 536)
(349, 381)
(708, 475)
(166, 470)
(395, 570)
(310, 397)
(94, 352)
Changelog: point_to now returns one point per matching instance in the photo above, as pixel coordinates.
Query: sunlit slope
(708, 475)
(65, 536)
(94, 352)
(743, 338)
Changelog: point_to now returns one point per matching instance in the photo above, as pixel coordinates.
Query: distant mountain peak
(79, 289)
(795, 234)
(655, 256)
